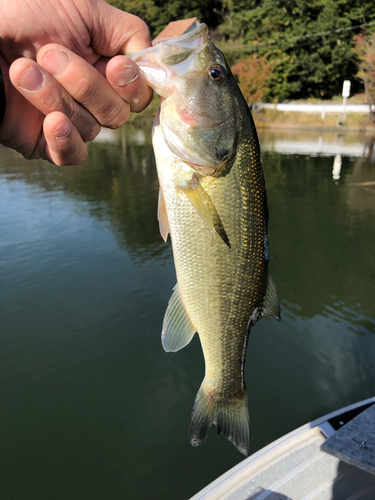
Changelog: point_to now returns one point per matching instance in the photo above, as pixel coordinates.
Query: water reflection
(118, 182)
(337, 163)
(85, 279)
(315, 143)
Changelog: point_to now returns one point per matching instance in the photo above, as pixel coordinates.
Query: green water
(91, 407)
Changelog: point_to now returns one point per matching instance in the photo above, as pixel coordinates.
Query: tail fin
(231, 418)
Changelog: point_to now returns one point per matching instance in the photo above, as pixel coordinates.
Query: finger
(129, 82)
(85, 84)
(101, 65)
(47, 95)
(63, 143)
(117, 32)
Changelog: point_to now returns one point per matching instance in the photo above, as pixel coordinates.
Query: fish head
(197, 114)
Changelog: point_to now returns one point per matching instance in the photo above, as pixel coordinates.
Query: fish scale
(214, 205)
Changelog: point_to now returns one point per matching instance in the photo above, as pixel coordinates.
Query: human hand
(62, 86)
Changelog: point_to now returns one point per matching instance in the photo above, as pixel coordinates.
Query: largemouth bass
(213, 203)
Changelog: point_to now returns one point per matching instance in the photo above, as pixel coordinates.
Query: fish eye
(217, 73)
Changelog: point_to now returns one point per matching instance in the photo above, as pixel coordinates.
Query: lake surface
(91, 406)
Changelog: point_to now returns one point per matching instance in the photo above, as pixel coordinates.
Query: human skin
(65, 75)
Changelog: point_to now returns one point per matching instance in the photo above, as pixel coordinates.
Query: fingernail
(62, 130)
(56, 61)
(125, 75)
(32, 80)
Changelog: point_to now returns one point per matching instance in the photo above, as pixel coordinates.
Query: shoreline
(352, 122)
(314, 128)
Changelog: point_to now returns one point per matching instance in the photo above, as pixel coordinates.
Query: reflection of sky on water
(339, 315)
(314, 143)
(315, 148)
(85, 279)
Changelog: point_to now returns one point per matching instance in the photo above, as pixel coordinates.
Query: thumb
(114, 31)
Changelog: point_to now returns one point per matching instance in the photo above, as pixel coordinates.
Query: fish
(213, 203)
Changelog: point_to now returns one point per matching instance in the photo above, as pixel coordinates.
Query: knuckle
(137, 26)
(141, 26)
(116, 118)
(56, 102)
(86, 124)
(83, 90)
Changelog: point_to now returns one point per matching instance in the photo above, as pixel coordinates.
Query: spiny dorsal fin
(163, 217)
(177, 330)
(206, 210)
(271, 305)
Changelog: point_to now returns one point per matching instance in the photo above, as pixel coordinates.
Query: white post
(345, 93)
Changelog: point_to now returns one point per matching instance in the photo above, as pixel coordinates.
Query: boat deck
(295, 468)
(355, 442)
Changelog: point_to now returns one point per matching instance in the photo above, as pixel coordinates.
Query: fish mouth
(169, 58)
(186, 37)
(187, 42)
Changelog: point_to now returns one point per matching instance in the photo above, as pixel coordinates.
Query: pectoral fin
(271, 305)
(200, 201)
(163, 217)
(206, 210)
(177, 330)
(218, 225)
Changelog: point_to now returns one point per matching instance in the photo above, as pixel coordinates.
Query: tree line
(281, 49)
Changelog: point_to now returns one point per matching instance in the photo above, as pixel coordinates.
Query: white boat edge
(227, 482)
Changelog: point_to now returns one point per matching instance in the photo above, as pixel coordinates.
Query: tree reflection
(118, 184)
(321, 234)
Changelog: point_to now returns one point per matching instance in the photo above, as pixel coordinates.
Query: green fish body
(213, 202)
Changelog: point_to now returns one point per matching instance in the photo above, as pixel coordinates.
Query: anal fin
(177, 329)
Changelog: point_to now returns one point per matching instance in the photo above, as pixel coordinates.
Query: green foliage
(158, 13)
(313, 58)
(365, 50)
(309, 43)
